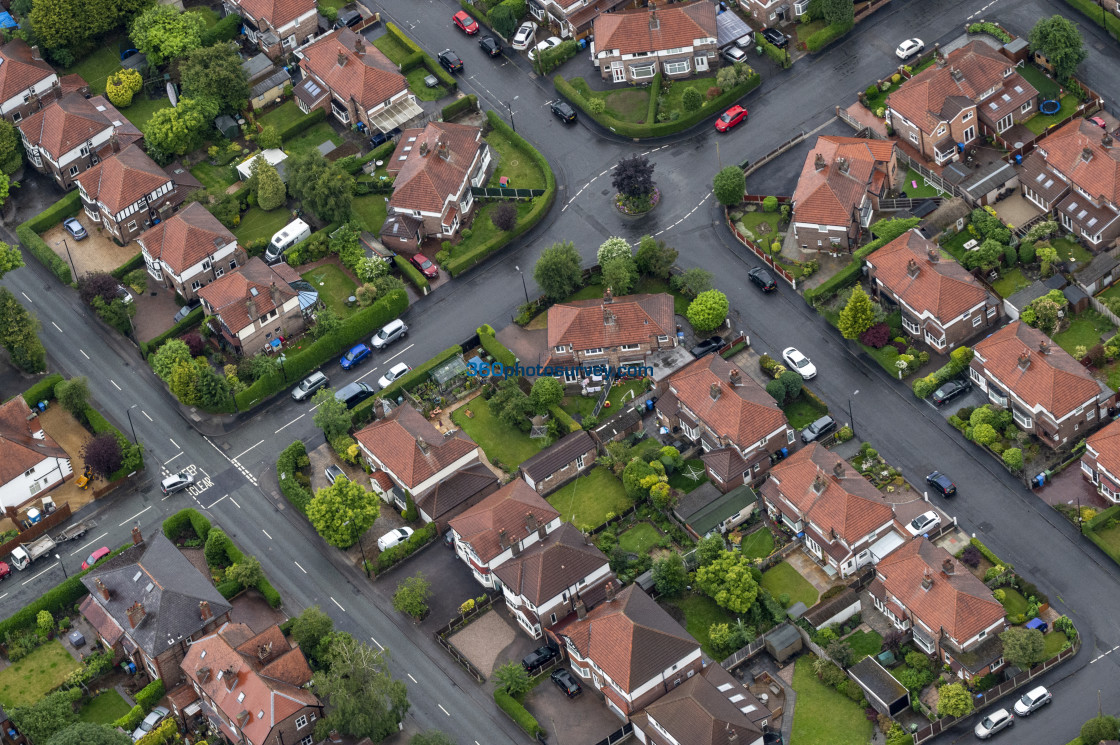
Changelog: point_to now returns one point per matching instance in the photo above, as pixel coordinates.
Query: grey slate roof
(1023, 297)
(620, 422)
(156, 574)
(1101, 265)
(563, 451)
(257, 66)
(274, 80)
(456, 489)
(874, 678)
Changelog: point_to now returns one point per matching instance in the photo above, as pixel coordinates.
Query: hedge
(459, 264)
(445, 77)
(459, 105)
(411, 62)
(821, 39)
(1103, 517)
(299, 364)
(131, 720)
(192, 319)
(987, 553)
(42, 252)
(408, 382)
(955, 366)
(655, 90)
(402, 37)
(518, 713)
(148, 696)
(68, 206)
(226, 29)
(287, 465)
(564, 418)
(401, 551)
(43, 390)
(174, 526)
(99, 425)
(1095, 13)
(166, 732)
(135, 262)
(413, 274)
(264, 587)
(500, 352)
(298, 124)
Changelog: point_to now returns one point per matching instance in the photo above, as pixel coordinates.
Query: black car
(775, 37)
(538, 658)
(566, 682)
(450, 61)
(762, 278)
(380, 138)
(348, 19)
(942, 483)
(186, 309)
(818, 429)
(951, 390)
(491, 46)
(564, 111)
(709, 345)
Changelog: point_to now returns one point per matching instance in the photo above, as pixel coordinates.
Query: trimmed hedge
(68, 206)
(192, 319)
(958, 363)
(518, 713)
(226, 29)
(412, 274)
(148, 696)
(296, 125)
(135, 262)
(987, 553)
(411, 62)
(821, 39)
(43, 390)
(235, 556)
(1103, 517)
(1093, 12)
(402, 37)
(174, 526)
(459, 105)
(445, 77)
(287, 465)
(131, 720)
(42, 252)
(401, 551)
(654, 89)
(459, 264)
(418, 373)
(564, 418)
(500, 352)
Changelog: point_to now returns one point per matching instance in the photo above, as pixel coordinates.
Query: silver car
(388, 334)
(1032, 700)
(176, 482)
(156, 716)
(309, 385)
(993, 723)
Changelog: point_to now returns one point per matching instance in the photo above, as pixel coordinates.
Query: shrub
(826, 36)
(770, 204)
(288, 467)
(970, 555)
(518, 713)
(1013, 459)
(876, 336)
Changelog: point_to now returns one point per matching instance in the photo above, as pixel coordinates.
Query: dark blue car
(356, 356)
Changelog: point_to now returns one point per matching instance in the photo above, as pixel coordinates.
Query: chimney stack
(101, 588)
(1044, 346)
(204, 611)
(531, 522)
(581, 609)
(243, 718)
(927, 580)
(230, 678)
(443, 151)
(912, 269)
(137, 538)
(264, 651)
(610, 591)
(35, 55)
(203, 674)
(838, 469)
(135, 614)
(1106, 140)
(1025, 360)
(842, 164)
(732, 736)
(957, 75)
(948, 567)
(503, 538)
(933, 254)
(819, 484)
(359, 47)
(938, 57)
(713, 391)
(734, 378)
(654, 23)
(1087, 154)
(608, 296)
(335, 737)
(274, 293)
(608, 317)
(251, 308)
(341, 59)
(819, 162)
(423, 445)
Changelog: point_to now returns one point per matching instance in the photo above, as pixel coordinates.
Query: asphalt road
(236, 471)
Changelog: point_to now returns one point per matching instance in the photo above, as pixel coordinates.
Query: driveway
(155, 311)
(583, 720)
(97, 253)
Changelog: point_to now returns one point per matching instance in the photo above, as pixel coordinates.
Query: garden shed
(1014, 305)
(1099, 273)
(275, 157)
(885, 694)
(449, 374)
(227, 126)
(783, 642)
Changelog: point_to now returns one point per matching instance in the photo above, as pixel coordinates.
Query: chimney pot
(204, 611)
(608, 296)
(933, 254)
(1025, 360)
(819, 484)
(1044, 346)
(610, 591)
(1087, 154)
(912, 269)
(581, 609)
(819, 162)
(734, 378)
(101, 588)
(230, 678)
(423, 445)
(948, 567)
(927, 580)
(714, 391)
(838, 469)
(135, 614)
(341, 59)
(137, 538)
(359, 47)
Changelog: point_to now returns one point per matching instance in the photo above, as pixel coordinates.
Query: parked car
(951, 390)
(378, 139)
(395, 372)
(389, 333)
(706, 347)
(155, 716)
(333, 473)
(74, 228)
(393, 538)
(909, 48)
(563, 111)
(425, 265)
(762, 279)
(124, 294)
(357, 354)
(1032, 700)
(348, 18)
(927, 522)
(731, 118)
(176, 482)
(353, 394)
(1099, 122)
(566, 682)
(734, 54)
(465, 23)
(544, 46)
(450, 61)
(993, 723)
(491, 46)
(799, 363)
(95, 557)
(942, 483)
(186, 310)
(818, 429)
(775, 37)
(524, 36)
(538, 658)
(309, 385)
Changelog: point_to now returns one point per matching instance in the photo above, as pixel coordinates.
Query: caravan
(288, 236)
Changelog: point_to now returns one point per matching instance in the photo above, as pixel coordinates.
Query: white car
(393, 538)
(993, 723)
(799, 363)
(1032, 700)
(544, 46)
(524, 36)
(734, 54)
(927, 522)
(909, 48)
(155, 717)
(395, 372)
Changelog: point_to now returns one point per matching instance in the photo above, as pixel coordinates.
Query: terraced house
(1101, 463)
(190, 250)
(276, 26)
(677, 40)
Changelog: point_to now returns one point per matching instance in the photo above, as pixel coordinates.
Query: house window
(701, 63)
(195, 285)
(233, 265)
(561, 348)
(914, 137)
(596, 350)
(1025, 107)
(84, 150)
(132, 225)
(663, 339)
(982, 634)
(219, 272)
(1004, 123)
(206, 264)
(631, 347)
(638, 72)
(789, 436)
(969, 133)
(579, 461)
(677, 68)
(976, 321)
(301, 722)
(16, 116)
(309, 740)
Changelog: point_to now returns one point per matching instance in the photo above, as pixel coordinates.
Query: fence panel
(1104, 310)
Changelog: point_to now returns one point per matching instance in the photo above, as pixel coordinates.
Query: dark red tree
(103, 454)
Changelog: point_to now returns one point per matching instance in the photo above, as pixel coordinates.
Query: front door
(618, 73)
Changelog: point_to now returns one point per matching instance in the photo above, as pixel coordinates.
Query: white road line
(40, 574)
(374, 641)
(266, 533)
(300, 568)
(115, 384)
(235, 504)
(56, 326)
(445, 711)
(246, 450)
(336, 603)
(84, 353)
(83, 548)
(368, 373)
(414, 680)
(604, 173)
(28, 300)
(398, 354)
(175, 443)
(219, 500)
(138, 514)
(146, 415)
(173, 457)
(301, 416)
(3, 596)
(1103, 654)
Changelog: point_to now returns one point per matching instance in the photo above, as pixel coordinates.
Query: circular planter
(622, 210)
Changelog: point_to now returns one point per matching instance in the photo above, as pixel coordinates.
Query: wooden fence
(862, 130)
(895, 205)
(930, 176)
(764, 255)
(60, 515)
(459, 622)
(1104, 310)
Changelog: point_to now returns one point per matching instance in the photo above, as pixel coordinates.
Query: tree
(122, 85)
(838, 12)
(1100, 728)
(412, 596)
(10, 258)
(217, 548)
(512, 678)
(269, 137)
(247, 573)
(215, 73)
(342, 512)
(431, 736)
(692, 282)
(1060, 42)
(73, 394)
(841, 653)
(102, 454)
(661, 496)
(325, 188)
(729, 582)
(669, 575)
(511, 406)
(362, 698)
(11, 149)
(986, 256)
(312, 629)
(620, 274)
(326, 323)
(953, 700)
(1022, 647)
(558, 271)
(88, 733)
(632, 475)
(708, 311)
(729, 185)
(792, 382)
(709, 549)
(59, 23)
(369, 268)
(271, 191)
(164, 33)
(613, 248)
(857, 316)
(654, 258)
(97, 284)
(633, 177)
(777, 391)
(182, 128)
(504, 216)
(692, 99)
(331, 416)
(50, 714)
(19, 334)
(502, 19)
(546, 393)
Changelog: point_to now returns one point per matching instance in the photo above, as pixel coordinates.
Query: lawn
(98, 66)
(256, 224)
(1011, 281)
(639, 539)
(680, 478)
(823, 715)
(865, 644)
(804, 410)
(955, 245)
(500, 443)
(27, 680)
(282, 114)
(621, 393)
(105, 708)
(209, 17)
(700, 612)
(1046, 86)
(1055, 641)
(336, 4)
(1085, 329)
(761, 227)
(588, 500)
(1014, 602)
(215, 178)
(758, 545)
(514, 163)
(627, 104)
(1039, 123)
(371, 211)
(784, 580)
(392, 48)
(415, 79)
(672, 100)
(312, 137)
(802, 31)
(1068, 248)
(921, 190)
(334, 287)
(482, 228)
(143, 107)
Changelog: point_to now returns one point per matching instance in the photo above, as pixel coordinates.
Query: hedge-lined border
(43, 390)
(1092, 11)
(988, 554)
(286, 469)
(68, 206)
(135, 262)
(518, 713)
(192, 319)
(821, 39)
(564, 418)
(413, 274)
(45, 256)
(459, 105)
(298, 125)
(363, 412)
(487, 337)
(386, 560)
(445, 77)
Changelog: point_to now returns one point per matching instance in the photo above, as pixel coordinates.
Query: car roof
(1036, 692)
(358, 347)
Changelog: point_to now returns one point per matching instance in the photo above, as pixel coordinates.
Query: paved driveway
(584, 720)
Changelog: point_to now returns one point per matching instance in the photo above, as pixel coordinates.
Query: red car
(95, 557)
(426, 267)
(466, 24)
(730, 118)
(1098, 121)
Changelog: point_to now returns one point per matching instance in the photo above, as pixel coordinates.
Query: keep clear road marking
(333, 600)
(378, 644)
(115, 384)
(266, 533)
(173, 442)
(84, 353)
(138, 514)
(214, 503)
(173, 457)
(26, 298)
(445, 711)
(300, 568)
(414, 680)
(83, 548)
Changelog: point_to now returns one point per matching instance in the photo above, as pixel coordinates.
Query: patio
(1016, 209)
(810, 570)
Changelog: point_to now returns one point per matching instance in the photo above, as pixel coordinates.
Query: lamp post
(362, 546)
(510, 110)
(63, 565)
(128, 413)
(851, 418)
(283, 369)
(524, 286)
(67, 247)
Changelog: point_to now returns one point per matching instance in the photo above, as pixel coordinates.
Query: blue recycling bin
(1040, 479)
(649, 405)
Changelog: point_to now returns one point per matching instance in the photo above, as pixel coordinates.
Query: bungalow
(31, 462)
(190, 250)
(570, 456)
(676, 40)
(253, 305)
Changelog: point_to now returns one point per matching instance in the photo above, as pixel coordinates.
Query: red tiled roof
(102, 622)
(507, 509)
(636, 319)
(700, 711)
(1064, 152)
(427, 176)
(829, 195)
(278, 13)
(1106, 443)
(19, 70)
(667, 27)
(186, 238)
(72, 120)
(23, 443)
(119, 181)
(368, 79)
(395, 441)
(255, 282)
(544, 570)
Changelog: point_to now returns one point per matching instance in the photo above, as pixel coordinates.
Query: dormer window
(1008, 71)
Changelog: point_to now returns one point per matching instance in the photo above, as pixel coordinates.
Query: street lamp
(63, 565)
(283, 369)
(524, 286)
(851, 418)
(67, 247)
(362, 546)
(128, 413)
(510, 110)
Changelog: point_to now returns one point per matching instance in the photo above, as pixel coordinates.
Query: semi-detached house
(190, 250)
(253, 305)
(571, 18)
(27, 82)
(676, 40)
(1101, 463)
(276, 26)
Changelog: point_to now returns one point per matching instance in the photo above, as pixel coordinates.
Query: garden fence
(862, 130)
(779, 556)
(461, 659)
(1104, 310)
(607, 385)
(1021, 230)
(618, 735)
(457, 623)
(500, 192)
(744, 654)
(896, 205)
(60, 515)
(618, 518)
(764, 255)
(930, 176)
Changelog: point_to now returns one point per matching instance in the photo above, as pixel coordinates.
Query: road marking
(1103, 654)
(56, 326)
(3, 596)
(368, 373)
(414, 680)
(300, 568)
(40, 574)
(398, 354)
(146, 415)
(335, 602)
(173, 442)
(83, 548)
(245, 451)
(138, 514)
(266, 533)
(301, 416)
(604, 173)
(115, 384)
(173, 457)
(445, 711)
(30, 301)
(219, 500)
(244, 471)
(374, 641)
(235, 504)
(84, 353)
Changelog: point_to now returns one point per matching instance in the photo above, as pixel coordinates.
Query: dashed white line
(246, 450)
(445, 711)
(173, 442)
(301, 416)
(26, 298)
(1104, 654)
(336, 603)
(84, 353)
(3, 596)
(138, 514)
(398, 354)
(146, 415)
(414, 680)
(604, 173)
(378, 644)
(40, 574)
(56, 326)
(82, 549)
(266, 533)
(300, 568)
(115, 384)
(215, 502)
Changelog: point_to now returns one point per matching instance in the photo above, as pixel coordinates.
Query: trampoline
(1050, 107)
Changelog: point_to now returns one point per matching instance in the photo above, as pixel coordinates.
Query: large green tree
(183, 128)
(73, 394)
(342, 512)
(1060, 42)
(325, 188)
(50, 714)
(613, 248)
(954, 700)
(654, 258)
(512, 678)
(730, 185)
(331, 415)
(1022, 647)
(312, 631)
(60, 23)
(88, 733)
(215, 73)
(728, 581)
(1098, 729)
(708, 311)
(163, 33)
(412, 595)
(669, 574)
(11, 149)
(173, 352)
(19, 334)
(857, 316)
(620, 274)
(10, 258)
(838, 12)
(558, 271)
(431, 737)
(362, 698)
(546, 393)
(271, 191)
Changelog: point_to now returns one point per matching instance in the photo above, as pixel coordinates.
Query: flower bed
(637, 206)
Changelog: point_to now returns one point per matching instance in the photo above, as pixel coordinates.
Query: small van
(353, 394)
(392, 331)
(288, 236)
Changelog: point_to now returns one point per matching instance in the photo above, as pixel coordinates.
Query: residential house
(615, 332)
(73, 133)
(846, 522)
(571, 18)
(544, 582)
(354, 82)
(953, 616)
(676, 40)
(434, 169)
(500, 528)
(839, 189)
(189, 250)
(941, 302)
(254, 687)
(27, 81)
(571, 456)
(150, 604)
(31, 462)
(1075, 173)
(253, 305)
(774, 12)
(1101, 462)
(277, 27)
(455, 493)
(970, 92)
(706, 510)
(629, 649)
(712, 708)
(127, 192)
(1049, 393)
(736, 422)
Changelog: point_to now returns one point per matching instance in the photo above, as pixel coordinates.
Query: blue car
(356, 356)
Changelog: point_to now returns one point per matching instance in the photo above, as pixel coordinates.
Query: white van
(288, 236)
